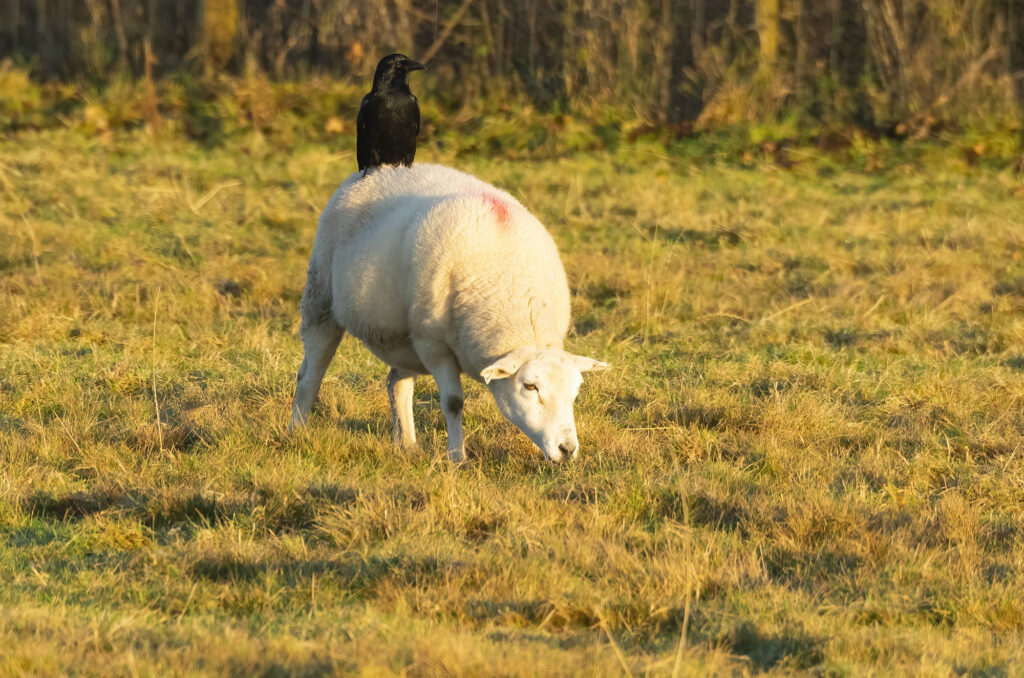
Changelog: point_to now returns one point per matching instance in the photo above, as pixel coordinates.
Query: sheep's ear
(587, 364)
(503, 368)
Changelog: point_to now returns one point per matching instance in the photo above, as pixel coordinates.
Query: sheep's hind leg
(320, 341)
(400, 389)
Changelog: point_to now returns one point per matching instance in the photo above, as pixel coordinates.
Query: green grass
(808, 456)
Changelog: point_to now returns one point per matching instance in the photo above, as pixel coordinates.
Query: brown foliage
(873, 62)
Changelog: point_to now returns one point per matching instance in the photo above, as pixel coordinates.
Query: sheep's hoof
(297, 422)
(457, 456)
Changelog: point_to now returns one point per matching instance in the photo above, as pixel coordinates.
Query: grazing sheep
(438, 272)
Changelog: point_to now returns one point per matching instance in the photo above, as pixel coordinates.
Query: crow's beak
(415, 66)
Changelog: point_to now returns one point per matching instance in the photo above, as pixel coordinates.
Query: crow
(389, 117)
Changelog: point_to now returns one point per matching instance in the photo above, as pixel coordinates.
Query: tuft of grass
(807, 458)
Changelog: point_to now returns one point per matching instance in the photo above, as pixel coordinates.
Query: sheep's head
(536, 390)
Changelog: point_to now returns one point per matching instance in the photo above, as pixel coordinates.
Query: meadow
(807, 457)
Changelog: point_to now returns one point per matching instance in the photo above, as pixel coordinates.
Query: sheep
(440, 273)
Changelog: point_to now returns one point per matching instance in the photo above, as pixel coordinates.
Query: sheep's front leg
(320, 342)
(443, 366)
(449, 386)
(400, 389)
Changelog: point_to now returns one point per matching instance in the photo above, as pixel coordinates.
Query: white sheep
(438, 272)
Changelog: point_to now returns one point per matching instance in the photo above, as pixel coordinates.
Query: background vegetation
(795, 229)
(900, 67)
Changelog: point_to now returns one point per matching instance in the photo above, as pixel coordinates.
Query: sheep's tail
(316, 298)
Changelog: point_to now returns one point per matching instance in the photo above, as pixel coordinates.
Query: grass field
(808, 456)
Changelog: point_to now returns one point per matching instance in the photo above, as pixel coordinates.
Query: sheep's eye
(530, 387)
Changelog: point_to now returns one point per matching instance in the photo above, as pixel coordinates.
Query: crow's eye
(530, 387)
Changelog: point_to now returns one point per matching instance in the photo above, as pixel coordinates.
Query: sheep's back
(490, 276)
(432, 251)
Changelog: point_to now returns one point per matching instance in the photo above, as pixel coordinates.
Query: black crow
(389, 117)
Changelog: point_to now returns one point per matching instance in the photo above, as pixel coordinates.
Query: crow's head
(394, 69)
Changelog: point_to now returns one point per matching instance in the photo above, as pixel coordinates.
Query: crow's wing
(416, 116)
(363, 134)
(412, 130)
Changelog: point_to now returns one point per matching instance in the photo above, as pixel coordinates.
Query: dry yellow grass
(808, 457)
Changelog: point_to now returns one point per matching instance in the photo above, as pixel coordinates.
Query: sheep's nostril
(568, 448)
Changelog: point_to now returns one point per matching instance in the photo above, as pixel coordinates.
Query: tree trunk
(768, 31)
(815, 40)
(848, 58)
(1015, 37)
(699, 8)
(117, 18)
(13, 25)
(684, 96)
(220, 26)
(806, 50)
(1015, 31)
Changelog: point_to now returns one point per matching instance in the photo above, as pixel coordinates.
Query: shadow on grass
(361, 575)
(565, 642)
(698, 510)
(806, 570)
(983, 670)
(317, 666)
(34, 535)
(712, 240)
(280, 511)
(638, 626)
(635, 624)
(574, 494)
(702, 417)
(767, 650)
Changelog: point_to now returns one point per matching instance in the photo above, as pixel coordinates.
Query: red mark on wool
(500, 208)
